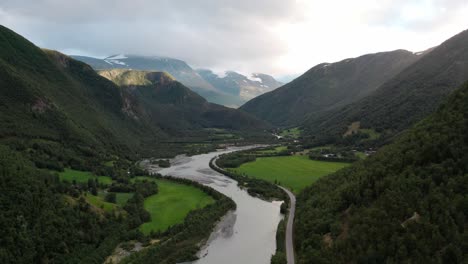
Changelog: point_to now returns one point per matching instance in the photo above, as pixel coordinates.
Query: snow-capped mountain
(179, 69)
(246, 87)
(231, 90)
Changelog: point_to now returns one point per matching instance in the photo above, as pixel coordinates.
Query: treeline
(408, 203)
(41, 225)
(234, 160)
(280, 255)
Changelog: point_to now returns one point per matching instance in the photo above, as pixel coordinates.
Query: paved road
(289, 227)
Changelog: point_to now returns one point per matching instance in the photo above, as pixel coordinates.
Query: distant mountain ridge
(328, 86)
(177, 68)
(240, 85)
(204, 82)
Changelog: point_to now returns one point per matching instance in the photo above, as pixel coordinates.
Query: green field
(82, 176)
(99, 202)
(122, 198)
(294, 172)
(172, 204)
(292, 132)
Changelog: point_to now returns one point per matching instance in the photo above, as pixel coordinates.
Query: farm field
(293, 172)
(82, 176)
(172, 204)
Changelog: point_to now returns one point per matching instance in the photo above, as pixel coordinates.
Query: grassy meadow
(293, 172)
(172, 204)
(82, 176)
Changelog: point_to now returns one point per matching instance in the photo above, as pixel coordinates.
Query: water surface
(246, 235)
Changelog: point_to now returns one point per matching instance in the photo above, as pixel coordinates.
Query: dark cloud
(201, 32)
(240, 35)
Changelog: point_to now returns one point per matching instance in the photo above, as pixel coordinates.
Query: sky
(278, 37)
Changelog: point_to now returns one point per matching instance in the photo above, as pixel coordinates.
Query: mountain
(180, 70)
(404, 99)
(159, 98)
(328, 86)
(177, 68)
(407, 203)
(53, 102)
(59, 117)
(239, 85)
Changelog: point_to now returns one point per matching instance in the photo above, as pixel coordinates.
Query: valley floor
(293, 172)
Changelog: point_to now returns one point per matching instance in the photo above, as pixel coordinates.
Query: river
(247, 235)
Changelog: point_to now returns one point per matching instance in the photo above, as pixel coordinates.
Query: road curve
(289, 227)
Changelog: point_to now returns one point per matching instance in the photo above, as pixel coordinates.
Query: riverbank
(246, 235)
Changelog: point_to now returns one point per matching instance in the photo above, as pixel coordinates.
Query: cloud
(273, 36)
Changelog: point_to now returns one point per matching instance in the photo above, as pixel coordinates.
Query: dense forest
(42, 223)
(398, 103)
(406, 204)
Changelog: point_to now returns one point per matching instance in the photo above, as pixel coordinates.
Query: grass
(109, 163)
(272, 151)
(122, 198)
(99, 202)
(172, 204)
(361, 155)
(292, 132)
(326, 147)
(82, 176)
(294, 172)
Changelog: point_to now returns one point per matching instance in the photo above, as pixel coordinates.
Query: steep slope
(406, 204)
(328, 86)
(239, 85)
(68, 115)
(406, 98)
(173, 107)
(46, 96)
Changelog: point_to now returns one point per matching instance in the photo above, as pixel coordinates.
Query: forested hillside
(60, 110)
(64, 113)
(42, 224)
(328, 86)
(69, 145)
(173, 107)
(403, 100)
(406, 204)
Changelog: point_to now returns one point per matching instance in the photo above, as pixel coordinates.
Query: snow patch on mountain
(117, 57)
(116, 62)
(220, 74)
(254, 77)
